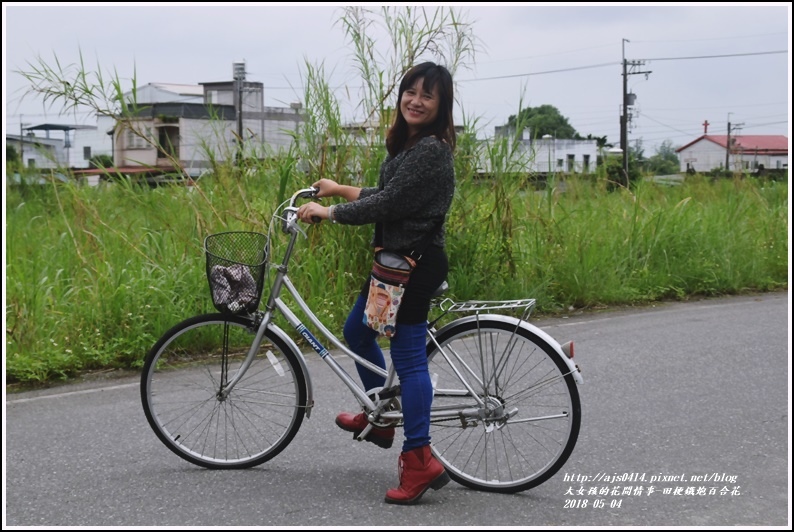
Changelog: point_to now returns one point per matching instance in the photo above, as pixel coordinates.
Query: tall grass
(96, 274)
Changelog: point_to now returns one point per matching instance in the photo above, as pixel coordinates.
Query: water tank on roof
(238, 70)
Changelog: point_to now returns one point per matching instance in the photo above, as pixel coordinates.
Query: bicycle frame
(276, 304)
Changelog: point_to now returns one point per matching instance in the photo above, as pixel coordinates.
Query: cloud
(572, 54)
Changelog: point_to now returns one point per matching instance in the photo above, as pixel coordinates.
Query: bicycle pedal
(390, 393)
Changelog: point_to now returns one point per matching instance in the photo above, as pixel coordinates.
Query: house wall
(705, 155)
(702, 156)
(278, 123)
(265, 130)
(87, 143)
(132, 149)
(39, 152)
(556, 155)
(203, 140)
(198, 138)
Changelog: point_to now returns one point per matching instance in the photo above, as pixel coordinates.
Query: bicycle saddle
(443, 287)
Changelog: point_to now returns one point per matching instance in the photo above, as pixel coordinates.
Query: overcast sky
(715, 62)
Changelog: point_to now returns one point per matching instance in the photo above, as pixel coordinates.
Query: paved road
(696, 394)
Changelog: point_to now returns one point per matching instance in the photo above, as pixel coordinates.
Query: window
(87, 152)
(586, 163)
(135, 140)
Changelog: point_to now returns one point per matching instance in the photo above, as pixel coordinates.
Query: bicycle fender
(289, 342)
(540, 333)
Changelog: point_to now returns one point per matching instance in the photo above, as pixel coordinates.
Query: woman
(417, 182)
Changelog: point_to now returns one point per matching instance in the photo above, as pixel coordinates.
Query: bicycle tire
(533, 410)
(181, 378)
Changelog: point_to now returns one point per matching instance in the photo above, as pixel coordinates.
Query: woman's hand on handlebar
(326, 188)
(312, 212)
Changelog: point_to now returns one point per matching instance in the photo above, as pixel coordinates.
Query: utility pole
(21, 145)
(628, 100)
(728, 143)
(728, 146)
(624, 118)
(238, 72)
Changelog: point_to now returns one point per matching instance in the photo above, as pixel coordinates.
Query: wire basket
(236, 264)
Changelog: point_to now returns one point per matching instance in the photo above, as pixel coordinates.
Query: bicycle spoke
(241, 427)
(524, 422)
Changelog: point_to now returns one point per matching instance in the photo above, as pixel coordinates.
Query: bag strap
(429, 236)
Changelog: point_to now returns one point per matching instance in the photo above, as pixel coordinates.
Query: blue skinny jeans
(409, 356)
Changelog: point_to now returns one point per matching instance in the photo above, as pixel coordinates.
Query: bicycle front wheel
(191, 364)
(519, 423)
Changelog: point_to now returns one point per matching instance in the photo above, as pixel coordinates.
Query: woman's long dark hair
(443, 127)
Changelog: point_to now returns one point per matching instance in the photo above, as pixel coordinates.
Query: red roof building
(747, 152)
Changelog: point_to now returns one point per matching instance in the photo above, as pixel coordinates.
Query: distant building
(747, 152)
(73, 146)
(37, 152)
(195, 126)
(551, 155)
(176, 127)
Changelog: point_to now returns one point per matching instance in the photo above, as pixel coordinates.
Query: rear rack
(448, 305)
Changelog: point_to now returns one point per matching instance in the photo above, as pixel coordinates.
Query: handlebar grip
(307, 192)
(316, 219)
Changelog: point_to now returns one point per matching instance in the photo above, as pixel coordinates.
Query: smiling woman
(98, 271)
(408, 208)
(419, 106)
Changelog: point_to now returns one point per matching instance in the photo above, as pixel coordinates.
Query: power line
(714, 56)
(540, 73)
(663, 124)
(717, 38)
(699, 108)
(589, 48)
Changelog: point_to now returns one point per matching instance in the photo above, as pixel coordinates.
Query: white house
(72, 146)
(177, 127)
(37, 152)
(192, 126)
(747, 152)
(548, 155)
(90, 142)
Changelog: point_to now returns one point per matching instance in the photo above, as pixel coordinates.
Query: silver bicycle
(230, 390)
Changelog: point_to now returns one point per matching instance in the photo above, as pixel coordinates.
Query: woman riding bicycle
(416, 186)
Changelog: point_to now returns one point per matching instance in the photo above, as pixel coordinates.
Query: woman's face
(419, 107)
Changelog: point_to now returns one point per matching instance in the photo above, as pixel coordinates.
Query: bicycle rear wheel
(526, 422)
(184, 373)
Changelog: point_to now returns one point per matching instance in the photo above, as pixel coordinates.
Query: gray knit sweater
(415, 193)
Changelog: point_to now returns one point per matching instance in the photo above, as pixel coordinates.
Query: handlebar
(291, 212)
(303, 193)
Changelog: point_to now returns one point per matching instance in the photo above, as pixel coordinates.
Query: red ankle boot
(357, 423)
(418, 470)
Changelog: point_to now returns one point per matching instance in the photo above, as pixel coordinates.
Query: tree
(12, 156)
(543, 120)
(100, 161)
(665, 161)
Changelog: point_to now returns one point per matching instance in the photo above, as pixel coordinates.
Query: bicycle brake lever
(291, 221)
